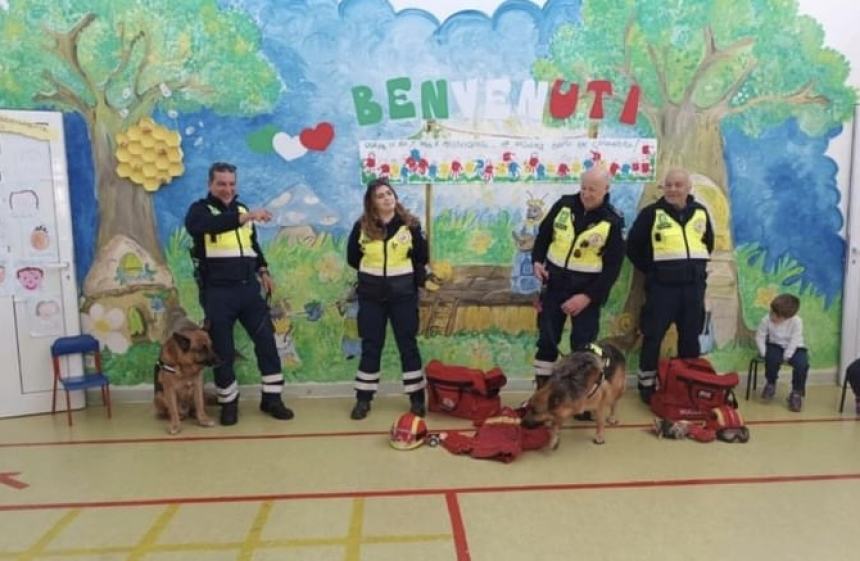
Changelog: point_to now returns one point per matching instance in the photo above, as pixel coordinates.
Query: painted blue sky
(322, 48)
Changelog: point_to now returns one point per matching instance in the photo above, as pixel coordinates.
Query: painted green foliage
(702, 65)
(756, 61)
(115, 61)
(128, 51)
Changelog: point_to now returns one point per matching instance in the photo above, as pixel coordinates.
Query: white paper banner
(507, 160)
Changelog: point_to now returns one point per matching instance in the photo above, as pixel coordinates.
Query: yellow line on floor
(252, 541)
(417, 538)
(353, 538)
(148, 540)
(200, 547)
(36, 549)
(90, 552)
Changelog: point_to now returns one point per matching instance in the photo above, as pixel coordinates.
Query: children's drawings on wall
(23, 203)
(40, 239)
(30, 280)
(28, 223)
(509, 160)
(46, 316)
(6, 287)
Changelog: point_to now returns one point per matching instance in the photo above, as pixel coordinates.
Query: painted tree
(702, 66)
(116, 61)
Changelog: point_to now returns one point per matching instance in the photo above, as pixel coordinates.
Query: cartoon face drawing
(30, 277)
(47, 309)
(24, 202)
(39, 238)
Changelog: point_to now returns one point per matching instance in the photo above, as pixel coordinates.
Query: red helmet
(408, 432)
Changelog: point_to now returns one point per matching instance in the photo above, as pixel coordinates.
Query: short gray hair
(600, 172)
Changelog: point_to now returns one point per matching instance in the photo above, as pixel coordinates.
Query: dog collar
(166, 367)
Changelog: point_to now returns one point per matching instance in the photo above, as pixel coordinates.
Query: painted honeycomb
(149, 154)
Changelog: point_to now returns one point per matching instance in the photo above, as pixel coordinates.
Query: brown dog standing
(179, 377)
(581, 381)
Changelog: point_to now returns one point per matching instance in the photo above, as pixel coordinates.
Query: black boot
(230, 413)
(273, 405)
(416, 403)
(360, 410)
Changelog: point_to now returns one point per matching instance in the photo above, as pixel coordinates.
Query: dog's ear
(205, 324)
(183, 341)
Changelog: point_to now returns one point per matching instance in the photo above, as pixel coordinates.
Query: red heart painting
(317, 138)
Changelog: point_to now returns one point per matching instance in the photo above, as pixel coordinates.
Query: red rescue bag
(689, 388)
(463, 392)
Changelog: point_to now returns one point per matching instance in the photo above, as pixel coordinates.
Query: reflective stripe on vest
(386, 258)
(232, 243)
(577, 252)
(672, 242)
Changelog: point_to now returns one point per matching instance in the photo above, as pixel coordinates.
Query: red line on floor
(634, 484)
(461, 545)
(217, 438)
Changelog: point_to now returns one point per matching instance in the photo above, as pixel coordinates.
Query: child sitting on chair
(853, 374)
(779, 339)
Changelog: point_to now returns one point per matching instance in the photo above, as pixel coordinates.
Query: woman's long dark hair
(371, 224)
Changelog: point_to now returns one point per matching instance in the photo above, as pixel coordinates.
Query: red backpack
(463, 392)
(689, 388)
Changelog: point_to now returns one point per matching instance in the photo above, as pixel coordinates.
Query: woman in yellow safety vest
(389, 251)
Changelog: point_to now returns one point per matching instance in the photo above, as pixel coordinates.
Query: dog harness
(159, 366)
(596, 349)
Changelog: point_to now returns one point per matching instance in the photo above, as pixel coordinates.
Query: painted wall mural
(310, 97)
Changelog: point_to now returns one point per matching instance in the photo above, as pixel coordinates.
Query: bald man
(671, 242)
(577, 255)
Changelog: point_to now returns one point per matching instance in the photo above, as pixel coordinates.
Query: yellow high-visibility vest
(389, 258)
(577, 252)
(232, 243)
(672, 242)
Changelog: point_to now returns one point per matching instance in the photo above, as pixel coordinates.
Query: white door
(38, 292)
(851, 291)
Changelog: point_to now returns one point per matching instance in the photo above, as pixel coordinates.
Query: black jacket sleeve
(544, 236)
(261, 261)
(353, 249)
(419, 247)
(708, 236)
(200, 220)
(613, 257)
(639, 249)
(419, 255)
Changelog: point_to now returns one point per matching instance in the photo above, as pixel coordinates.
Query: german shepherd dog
(179, 377)
(584, 381)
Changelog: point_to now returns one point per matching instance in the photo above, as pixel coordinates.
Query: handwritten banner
(501, 160)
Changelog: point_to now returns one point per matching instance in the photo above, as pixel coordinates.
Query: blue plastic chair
(81, 344)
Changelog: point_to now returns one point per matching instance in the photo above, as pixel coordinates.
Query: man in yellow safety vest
(671, 242)
(577, 255)
(233, 273)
